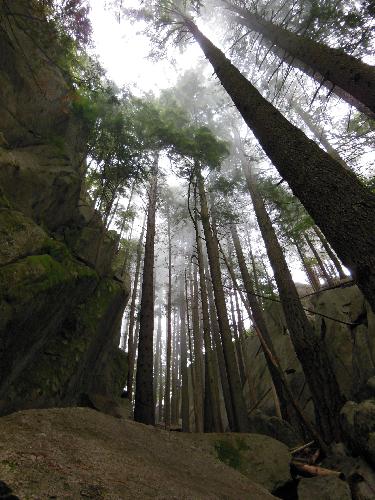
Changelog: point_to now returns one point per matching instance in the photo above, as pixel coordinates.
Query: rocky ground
(82, 453)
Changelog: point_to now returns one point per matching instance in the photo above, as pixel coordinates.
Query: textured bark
(239, 408)
(211, 387)
(132, 315)
(350, 78)
(167, 395)
(144, 410)
(240, 362)
(330, 253)
(319, 260)
(310, 347)
(184, 372)
(310, 172)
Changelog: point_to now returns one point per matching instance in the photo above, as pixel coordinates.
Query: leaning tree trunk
(132, 316)
(144, 410)
(339, 203)
(348, 77)
(239, 408)
(310, 347)
(310, 273)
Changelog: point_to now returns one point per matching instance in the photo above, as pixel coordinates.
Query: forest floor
(81, 453)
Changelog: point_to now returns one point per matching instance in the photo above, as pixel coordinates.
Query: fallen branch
(314, 470)
(300, 448)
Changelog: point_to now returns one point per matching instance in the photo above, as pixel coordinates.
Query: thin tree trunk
(325, 273)
(167, 396)
(239, 408)
(309, 347)
(219, 351)
(348, 77)
(144, 396)
(211, 387)
(198, 366)
(319, 134)
(310, 273)
(132, 316)
(157, 363)
(241, 366)
(310, 172)
(330, 253)
(185, 413)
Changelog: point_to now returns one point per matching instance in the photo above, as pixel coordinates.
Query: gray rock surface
(323, 488)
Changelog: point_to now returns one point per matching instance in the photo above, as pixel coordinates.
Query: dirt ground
(81, 453)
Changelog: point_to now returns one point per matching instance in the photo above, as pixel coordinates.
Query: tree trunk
(260, 322)
(310, 348)
(132, 316)
(185, 410)
(198, 366)
(310, 273)
(144, 410)
(325, 273)
(310, 172)
(239, 408)
(350, 78)
(241, 366)
(211, 387)
(219, 350)
(319, 134)
(157, 363)
(330, 253)
(167, 395)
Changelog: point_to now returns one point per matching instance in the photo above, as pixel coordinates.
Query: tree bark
(144, 410)
(310, 273)
(239, 408)
(330, 253)
(348, 77)
(185, 410)
(310, 348)
(211, 383)
(157, 363)
(167, 395)
(310, 172)
(132, 316)
(319, 260)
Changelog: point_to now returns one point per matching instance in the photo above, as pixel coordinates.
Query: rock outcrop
(81, 453)
(60, 304)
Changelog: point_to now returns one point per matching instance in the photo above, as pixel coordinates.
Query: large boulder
(260, 458)
(324, 488)
(358, 424)
(275, 427)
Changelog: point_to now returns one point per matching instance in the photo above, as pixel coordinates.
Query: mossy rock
(260, 458)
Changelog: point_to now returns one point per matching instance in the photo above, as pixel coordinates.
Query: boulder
(358, 424)
(260, 458)
(323, 488)
(274, 427)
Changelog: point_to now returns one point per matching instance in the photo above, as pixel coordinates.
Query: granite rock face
(60, 304)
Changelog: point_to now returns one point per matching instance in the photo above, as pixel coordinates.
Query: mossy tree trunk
(342, 207)
(350, 78)
(144, 410)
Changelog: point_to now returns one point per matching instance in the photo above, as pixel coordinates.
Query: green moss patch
(231, 452)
